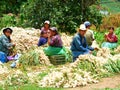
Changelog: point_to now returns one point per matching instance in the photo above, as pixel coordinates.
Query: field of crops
(113, 6)
(34, 66)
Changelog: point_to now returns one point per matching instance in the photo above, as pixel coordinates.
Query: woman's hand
(48, 34)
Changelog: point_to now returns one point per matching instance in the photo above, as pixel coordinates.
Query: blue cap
(87, 23)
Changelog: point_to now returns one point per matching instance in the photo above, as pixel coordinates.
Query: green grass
(29, 87)
(113, 6)
(109, 89)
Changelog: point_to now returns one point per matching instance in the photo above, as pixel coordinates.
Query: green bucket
(57, 59)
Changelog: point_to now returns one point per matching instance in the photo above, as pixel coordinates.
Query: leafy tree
(65, 14)
(10, 6)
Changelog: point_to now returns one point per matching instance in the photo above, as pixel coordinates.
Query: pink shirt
(56, 41)
(44, 30)
(113, 37)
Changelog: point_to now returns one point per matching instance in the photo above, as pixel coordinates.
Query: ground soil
(110, 82)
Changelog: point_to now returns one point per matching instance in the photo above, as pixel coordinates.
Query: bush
(99, 37)
(7, 20)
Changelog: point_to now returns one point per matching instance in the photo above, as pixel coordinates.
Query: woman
(43, 38)
(44, 30)
(79, 45)
(55, 43)
(111, 39)
(5, 44)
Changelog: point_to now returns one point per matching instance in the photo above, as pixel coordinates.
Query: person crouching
(5, 44)
(79, 45)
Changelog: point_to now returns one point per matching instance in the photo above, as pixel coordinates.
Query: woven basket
(57, 59)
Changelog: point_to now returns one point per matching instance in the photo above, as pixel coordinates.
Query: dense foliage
(10, 6)
(9, 12)
(66, 15)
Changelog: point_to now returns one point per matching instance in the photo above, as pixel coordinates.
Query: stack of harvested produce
(3, 69)
(16, 78)
(67, 77)
(117, 50)
(113, 66)
(66, 39)
(95, 45)
(104, 52)
(34, 56)
(24, 38)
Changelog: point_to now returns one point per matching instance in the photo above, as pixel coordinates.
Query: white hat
(48, 22)
(82, 27)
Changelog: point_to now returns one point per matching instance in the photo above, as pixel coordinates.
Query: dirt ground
(111, 82)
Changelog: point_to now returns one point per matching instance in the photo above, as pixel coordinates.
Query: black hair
(9, 39)
(56, 32)
(10, 30)
(43, 32)
(7, 29)
(111, 28)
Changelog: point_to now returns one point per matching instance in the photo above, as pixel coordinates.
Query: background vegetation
(66, 15)
(113, 6)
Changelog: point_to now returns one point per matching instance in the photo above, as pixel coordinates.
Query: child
(111, 39)
(43, 38)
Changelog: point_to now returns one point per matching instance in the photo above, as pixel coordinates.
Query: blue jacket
(5, 44)
(79, 45)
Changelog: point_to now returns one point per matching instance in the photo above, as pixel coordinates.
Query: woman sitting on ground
(5, 44)
(111, 39)
(43, 38)
(55, 43)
